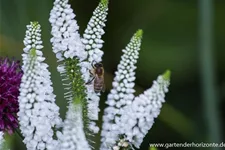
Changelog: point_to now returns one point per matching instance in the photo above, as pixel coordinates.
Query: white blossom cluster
(73, 137)
(138, 117)
(92, 40)
(128, 116)
(67, 43)
(92, 37)
(66, 40)
(38, 114)
(122, 93)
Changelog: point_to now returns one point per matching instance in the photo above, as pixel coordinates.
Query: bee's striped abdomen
(98, 84)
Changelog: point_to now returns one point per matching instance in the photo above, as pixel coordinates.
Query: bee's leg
(91, 72)
(92, 64)
(90, 81)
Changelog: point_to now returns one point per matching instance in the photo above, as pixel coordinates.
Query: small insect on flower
(122, 145)
(98, 77)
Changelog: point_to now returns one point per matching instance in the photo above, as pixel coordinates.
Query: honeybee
(98, 77)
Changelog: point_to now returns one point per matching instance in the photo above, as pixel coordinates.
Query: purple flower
(10, 78)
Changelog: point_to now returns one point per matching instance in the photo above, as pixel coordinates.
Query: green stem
(208, 71)
(20, 135)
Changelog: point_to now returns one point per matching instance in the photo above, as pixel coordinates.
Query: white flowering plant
(127, 119)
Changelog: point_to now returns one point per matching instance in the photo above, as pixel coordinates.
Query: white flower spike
(73, 137)
(75, 67)
(68, 48)
(38, 114)
(138, 118)
(126, 116)
(92, 40)
(66, 40)
(122, 93)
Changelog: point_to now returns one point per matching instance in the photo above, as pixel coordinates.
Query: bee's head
(98, 65)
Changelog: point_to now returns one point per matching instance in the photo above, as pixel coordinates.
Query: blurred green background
(185, 36)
